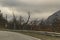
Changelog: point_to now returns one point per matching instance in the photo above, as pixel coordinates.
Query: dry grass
(43, 37)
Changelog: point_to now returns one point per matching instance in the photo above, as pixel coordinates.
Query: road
(5, 35)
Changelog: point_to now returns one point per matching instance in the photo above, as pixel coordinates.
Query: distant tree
(21, 21)
(28, 18)
(14, 22)
(2, 20)
(42, 24)
(6, 24)
(34, 24)
(26, 23)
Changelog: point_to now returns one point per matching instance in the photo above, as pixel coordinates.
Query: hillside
(53, 17)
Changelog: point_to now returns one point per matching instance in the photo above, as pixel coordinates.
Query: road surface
(5, 35)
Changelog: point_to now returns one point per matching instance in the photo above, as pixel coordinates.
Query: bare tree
(34, 24)
(28, 17)
(25, 24)
(21, 21)
(2, 20)
(14, 21)
(6, 24)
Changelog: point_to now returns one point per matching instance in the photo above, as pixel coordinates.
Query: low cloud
(40, 7)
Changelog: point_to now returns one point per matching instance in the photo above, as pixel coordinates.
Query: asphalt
(5, 35)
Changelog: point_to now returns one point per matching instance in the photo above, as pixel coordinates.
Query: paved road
(4, 35)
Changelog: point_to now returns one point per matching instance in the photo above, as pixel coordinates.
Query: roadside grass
(43, 37)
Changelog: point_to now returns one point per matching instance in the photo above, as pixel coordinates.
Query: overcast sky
(38, 8)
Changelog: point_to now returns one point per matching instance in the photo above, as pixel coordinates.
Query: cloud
(36, 7)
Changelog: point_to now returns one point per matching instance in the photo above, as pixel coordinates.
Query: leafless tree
(26, 23)
(6, 24)
(34, 24)
(28, 17)
(20, 22)
(14, 21)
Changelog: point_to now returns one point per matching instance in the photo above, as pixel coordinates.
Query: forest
(22, 24)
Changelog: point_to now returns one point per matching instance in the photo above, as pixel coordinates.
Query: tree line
(21, 24)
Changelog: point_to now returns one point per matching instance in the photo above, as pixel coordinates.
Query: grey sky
(38, 8)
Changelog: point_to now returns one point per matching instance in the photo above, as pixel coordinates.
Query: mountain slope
(53, 17)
